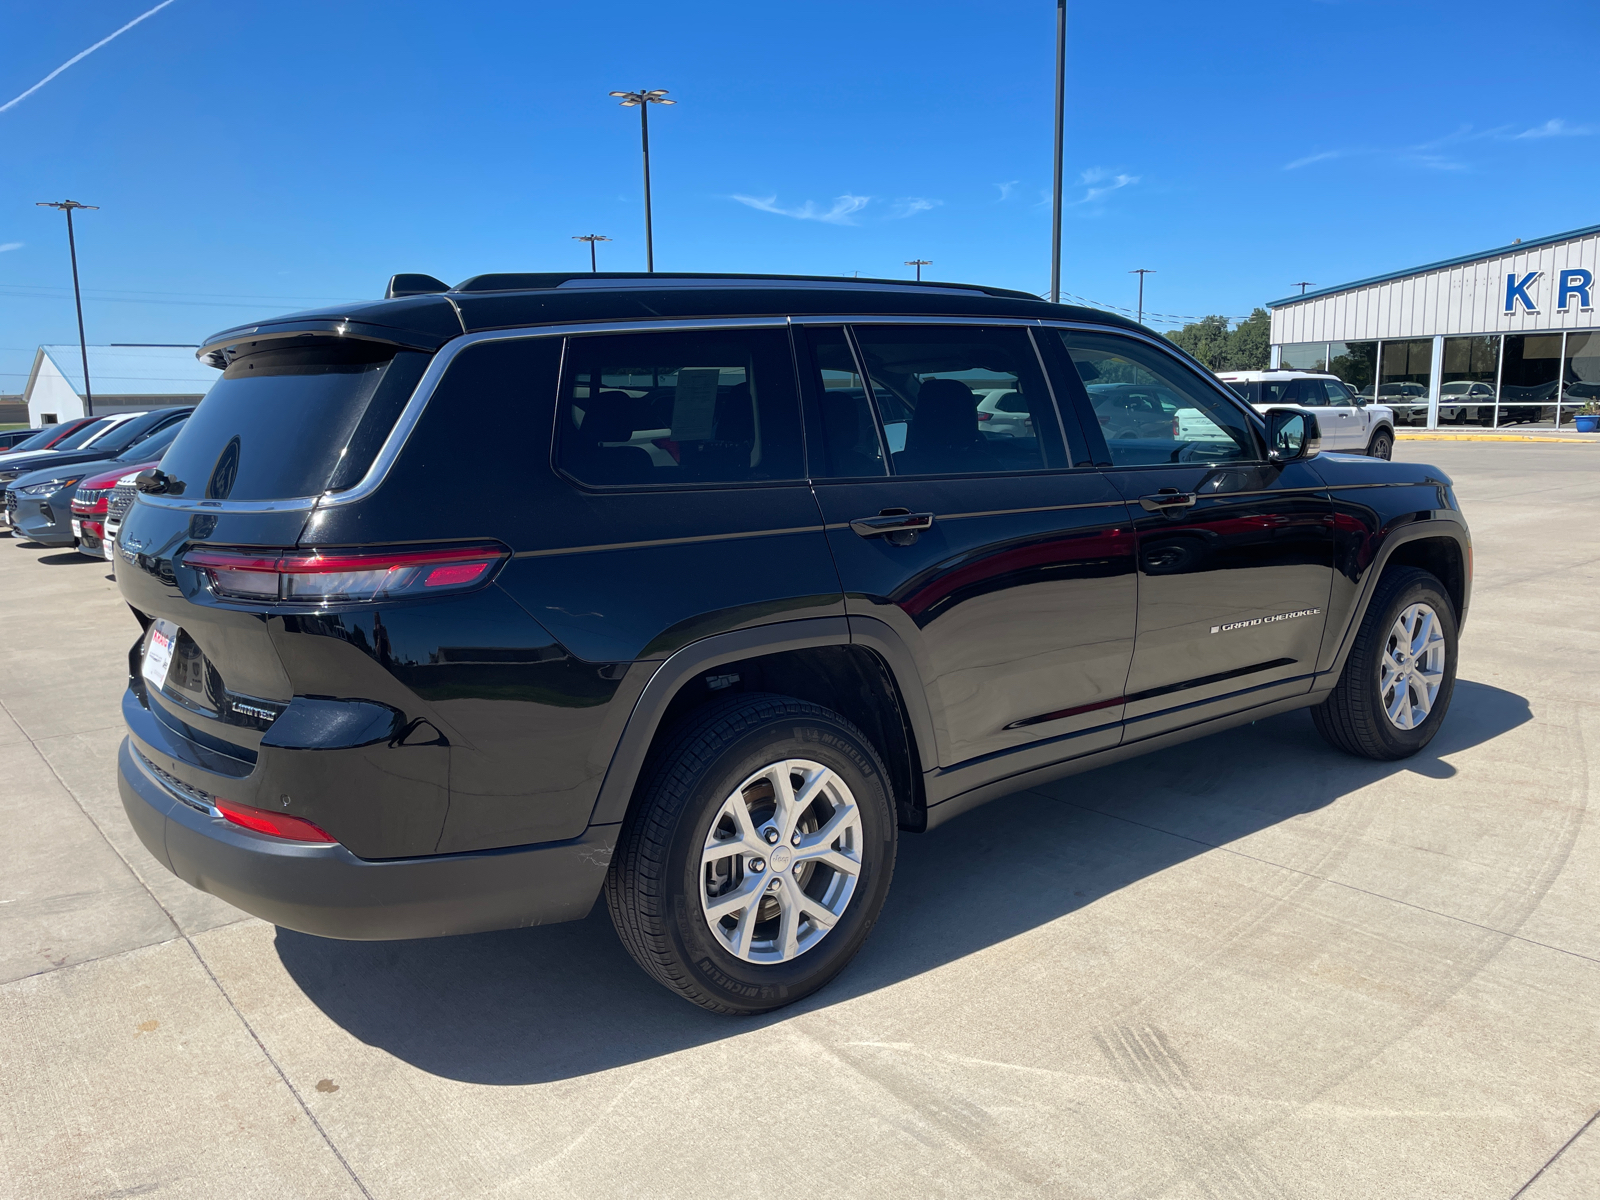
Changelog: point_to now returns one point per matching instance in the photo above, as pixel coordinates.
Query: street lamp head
(590, 237)
(634, 99)
(64, 205)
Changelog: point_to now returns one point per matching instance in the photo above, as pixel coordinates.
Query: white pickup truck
(1349, 424)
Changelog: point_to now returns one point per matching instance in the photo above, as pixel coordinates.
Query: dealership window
(1530, 374)
(1580, 376)
(1303, 356)
(1356, 363)
(1467, 380)
(1404, 374)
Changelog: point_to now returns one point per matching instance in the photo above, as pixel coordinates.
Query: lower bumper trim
(325, 890)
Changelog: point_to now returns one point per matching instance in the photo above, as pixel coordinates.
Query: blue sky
(256, 158)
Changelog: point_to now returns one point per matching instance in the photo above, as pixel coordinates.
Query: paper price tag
(158, 654)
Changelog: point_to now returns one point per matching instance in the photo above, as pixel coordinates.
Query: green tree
(1206, 339)
(1245, 348)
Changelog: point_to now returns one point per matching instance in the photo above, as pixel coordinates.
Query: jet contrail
(84, 55)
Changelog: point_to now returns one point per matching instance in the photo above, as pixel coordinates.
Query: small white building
(1506, 337)
(123, 379)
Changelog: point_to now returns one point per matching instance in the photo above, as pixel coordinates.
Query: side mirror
(1292, 436)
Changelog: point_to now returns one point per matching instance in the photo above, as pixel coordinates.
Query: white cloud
(844, 208)
(1556, 127)
(1101, 181)
(1007, 188)
(4, 246)
(912, 205)
(1312, 158)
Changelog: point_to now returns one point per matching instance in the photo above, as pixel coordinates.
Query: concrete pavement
(1245, 967)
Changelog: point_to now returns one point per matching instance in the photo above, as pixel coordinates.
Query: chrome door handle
(891, 522)
(1162, 501)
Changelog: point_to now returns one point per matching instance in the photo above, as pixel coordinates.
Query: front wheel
(1382, 445)
(1396, 685)
(758, 857)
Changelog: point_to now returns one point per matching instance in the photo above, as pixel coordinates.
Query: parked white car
(1004, 413)
(1349, 423)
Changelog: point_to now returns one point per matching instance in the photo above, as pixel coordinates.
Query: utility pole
(1302, 285)
(592, 238)
(1061, 109)
(919, 263)
(1141, 272)
(67, 206)
(642, 100)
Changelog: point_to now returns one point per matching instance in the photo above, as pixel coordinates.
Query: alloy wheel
(781, 861)
(1412, 668)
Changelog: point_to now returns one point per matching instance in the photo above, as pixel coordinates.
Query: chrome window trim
(411, 414)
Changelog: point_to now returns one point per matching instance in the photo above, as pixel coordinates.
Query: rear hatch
(289, 419)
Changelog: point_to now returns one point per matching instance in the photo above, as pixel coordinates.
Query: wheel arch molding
(1441, 547)
(856, 666)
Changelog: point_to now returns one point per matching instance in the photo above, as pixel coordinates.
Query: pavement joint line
(1564, 1148)
(1321, 878)
(199, 958)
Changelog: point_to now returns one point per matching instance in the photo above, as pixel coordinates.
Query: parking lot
(1244, 967)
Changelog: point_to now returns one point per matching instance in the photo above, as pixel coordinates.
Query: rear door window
(665, 409)
(930, 384)
(282, 424)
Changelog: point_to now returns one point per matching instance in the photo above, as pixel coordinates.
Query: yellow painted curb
(1488, 437)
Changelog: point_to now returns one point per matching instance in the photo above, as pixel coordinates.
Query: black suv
(463, 606)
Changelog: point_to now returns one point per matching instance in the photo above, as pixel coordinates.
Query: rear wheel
(1381, 445)
(758, 857)
(1396, 685)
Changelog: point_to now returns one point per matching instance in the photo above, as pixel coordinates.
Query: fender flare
(1413, 531)
(627, 760)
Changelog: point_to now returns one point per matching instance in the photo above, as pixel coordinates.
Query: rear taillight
(1174, 428)
(343, 576)
(983, 416)
(264, 820)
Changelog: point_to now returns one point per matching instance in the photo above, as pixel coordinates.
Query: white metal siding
(1462, 299)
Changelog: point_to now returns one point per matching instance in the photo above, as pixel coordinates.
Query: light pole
(592, 238)
(1302, 285)
(919, 263)
(67, 206)
(1141, 272)
(642, 100)
(1061, 108)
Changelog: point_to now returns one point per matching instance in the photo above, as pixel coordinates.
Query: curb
(1489, 437)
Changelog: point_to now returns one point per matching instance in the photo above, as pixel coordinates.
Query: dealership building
(1506, 337)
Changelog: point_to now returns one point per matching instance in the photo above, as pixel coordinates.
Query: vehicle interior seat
(726, 454)
(944, 437)
(609, 417)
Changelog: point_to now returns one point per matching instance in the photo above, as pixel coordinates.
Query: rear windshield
(39, 440)
(73, 440)
(281, 424)
(153, 447)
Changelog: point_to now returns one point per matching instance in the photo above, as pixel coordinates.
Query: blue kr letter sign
(1575, 282)
(1517, 289)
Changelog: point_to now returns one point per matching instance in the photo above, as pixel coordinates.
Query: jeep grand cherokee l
(699, 628)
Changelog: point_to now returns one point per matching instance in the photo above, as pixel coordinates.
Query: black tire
(653, 887)
(1352, 718)
(1381, 445)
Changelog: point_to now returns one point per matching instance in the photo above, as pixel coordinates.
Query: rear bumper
(325, 890)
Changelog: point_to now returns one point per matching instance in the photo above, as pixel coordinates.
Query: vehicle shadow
(535, 1005)
(66, 558)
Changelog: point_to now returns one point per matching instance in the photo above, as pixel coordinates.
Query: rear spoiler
(431, 321)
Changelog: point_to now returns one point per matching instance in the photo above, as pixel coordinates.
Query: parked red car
(89, 504)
